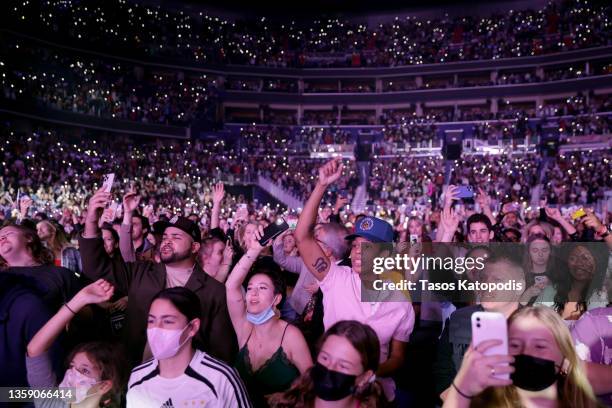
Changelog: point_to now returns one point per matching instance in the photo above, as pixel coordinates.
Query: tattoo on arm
(320, 265)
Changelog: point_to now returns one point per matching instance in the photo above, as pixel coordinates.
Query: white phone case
(491, 326)
(109, 179)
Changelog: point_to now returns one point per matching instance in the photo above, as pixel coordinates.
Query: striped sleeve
(234, 393)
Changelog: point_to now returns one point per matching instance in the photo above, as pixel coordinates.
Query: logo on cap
(174, 219)
(366, 224)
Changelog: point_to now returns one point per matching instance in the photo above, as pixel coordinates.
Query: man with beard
(143, 280)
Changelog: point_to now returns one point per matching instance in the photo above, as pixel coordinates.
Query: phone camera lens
(478, 319)
(478, 325)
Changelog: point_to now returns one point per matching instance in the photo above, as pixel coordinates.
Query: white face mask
(75, 379)
(165, 343)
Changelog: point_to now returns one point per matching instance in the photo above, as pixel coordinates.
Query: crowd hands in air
(198, 306)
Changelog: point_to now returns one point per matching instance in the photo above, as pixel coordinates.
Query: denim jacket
(71, 259)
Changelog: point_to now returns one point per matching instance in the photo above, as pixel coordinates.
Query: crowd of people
(150, 305)
(146, 272)
(68, 81)
(103, 88)
(505, 177)
(326, 42)
(578, 178)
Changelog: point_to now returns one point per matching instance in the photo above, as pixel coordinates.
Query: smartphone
(541, 280)
(579, 213)
(273, 230)
(414, 238)
(543, 216)
(465, 192)
(491, 326)
(107, 182)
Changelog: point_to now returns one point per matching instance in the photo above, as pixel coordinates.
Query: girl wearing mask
(272, 352)
(543, 365)
(180, 374)
(343, 375)
(95, 369)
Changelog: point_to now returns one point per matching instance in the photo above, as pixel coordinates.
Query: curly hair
(563, 279)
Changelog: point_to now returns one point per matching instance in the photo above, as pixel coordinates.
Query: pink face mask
(82, 383)
(165, 343)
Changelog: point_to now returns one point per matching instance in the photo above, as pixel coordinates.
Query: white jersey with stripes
(207, 382)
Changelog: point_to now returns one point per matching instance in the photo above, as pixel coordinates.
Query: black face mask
(331, 385)
(533, 373)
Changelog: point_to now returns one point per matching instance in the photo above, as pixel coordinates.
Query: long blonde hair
(574, 390)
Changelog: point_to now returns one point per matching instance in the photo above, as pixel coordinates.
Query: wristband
(68, 307)
(461, 393)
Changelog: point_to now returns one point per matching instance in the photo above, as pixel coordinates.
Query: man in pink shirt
(341, 286)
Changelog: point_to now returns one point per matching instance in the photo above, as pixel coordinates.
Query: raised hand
(253, 244)
(97, 292)
(330, 172)
(228, 253)
(450, 219)
(451, 194)
(483, 199)
(553, 213)
(591, 221)
(218, 193)
(478, 371)
(97, 202)
(340, 202)
(130, 202)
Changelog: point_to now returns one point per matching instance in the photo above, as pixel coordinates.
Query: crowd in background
(91, 259)
(157, 32)
(144, 272)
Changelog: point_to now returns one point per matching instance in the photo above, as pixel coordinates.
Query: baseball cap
(373, 229)
(184, 224)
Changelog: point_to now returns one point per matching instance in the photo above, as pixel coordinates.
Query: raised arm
(96, 262)
(484, 201)
(315, 259)
(449, 220)
(555, 214)
(97, 292)
(218, 194)
(233, 287)
(291, 264)
(96, 205)
(226, 262)
(475, 374)
(126, 245)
